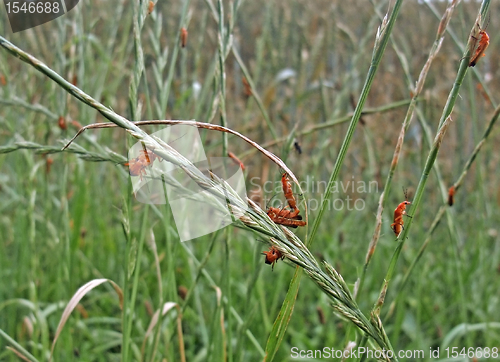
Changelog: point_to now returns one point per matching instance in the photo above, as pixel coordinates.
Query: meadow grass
(73, 221)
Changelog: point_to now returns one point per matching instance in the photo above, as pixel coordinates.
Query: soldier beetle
(151, 6)
(48, 164)
(397, 226)
(272, 256)
(294, 223)
(137, 166)
(451, 193)
(247, 87)
(182, 292)
(484, 41)
(61, 122)
(275, 212)
(321, 315)
(285, 217)
(287, 190)
(184, 37)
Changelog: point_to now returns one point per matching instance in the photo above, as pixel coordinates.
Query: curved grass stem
(406, 123)
(444, 123)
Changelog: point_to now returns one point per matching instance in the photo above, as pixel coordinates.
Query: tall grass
(67, 221)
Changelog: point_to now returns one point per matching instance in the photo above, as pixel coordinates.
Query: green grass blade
(281, 323)
(18, 347)
(444, 122)
(279, 327)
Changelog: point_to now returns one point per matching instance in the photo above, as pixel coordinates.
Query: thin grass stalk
(475, 70)
(321, 126)
(33, 262)
(81, 152)
(418, 196)
(224, 44)
(451, 225)
(18, 347)
(129, 312)
(70, 242)
(443, 125)
(197, 124)
(175, 53)
(452, 228)
(199, 112)
(70, 88)
(158, 67)
(202, 271)
(128, 265)
(36, 107)
(217, 351)
(465, 63)
(139, 15)
(182, 351)
(213, 10)
(442, 209)
(308, 262)
(253, 218)
(429, 233)
(152, 245)
(330, 282)
(227, 334)
(406, 123)
(114, 157)
(200, 267)
(478, 147)
(261, 55)
(255, 94)
(359, 55)
(222, 72)
(209, 126)
(382, 38)
(161, 148)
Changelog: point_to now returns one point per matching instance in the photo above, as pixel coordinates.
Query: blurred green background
(62, 217)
